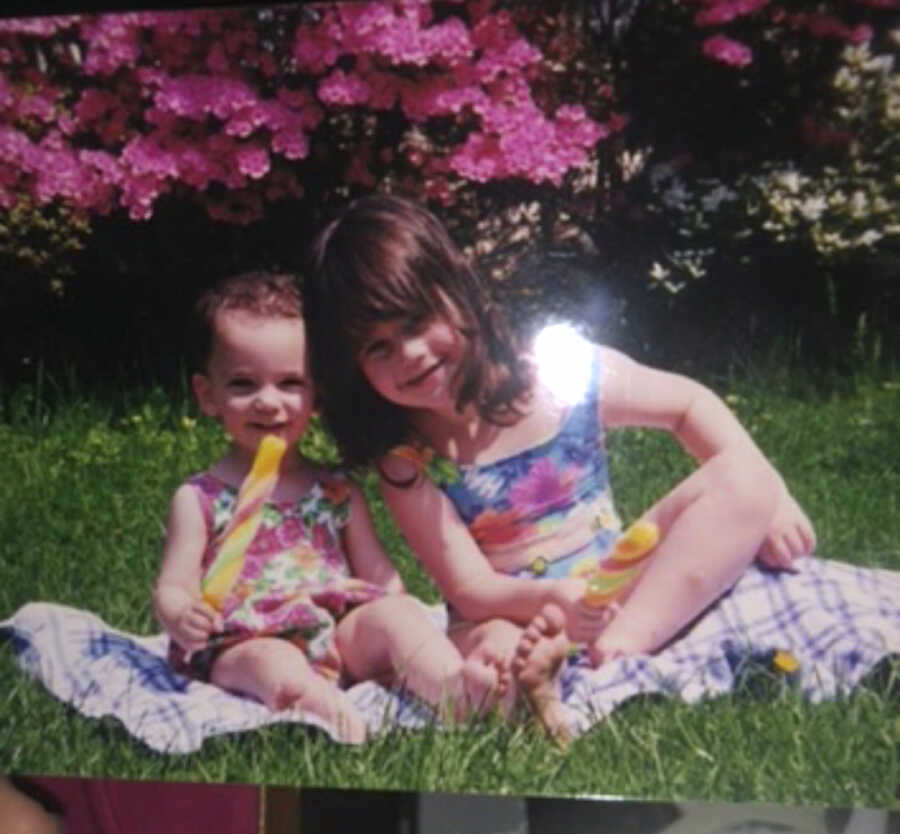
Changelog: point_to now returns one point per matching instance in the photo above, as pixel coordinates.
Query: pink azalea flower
(727, 51)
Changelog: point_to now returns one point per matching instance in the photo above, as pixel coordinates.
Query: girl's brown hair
(265, 294)
(388, 258)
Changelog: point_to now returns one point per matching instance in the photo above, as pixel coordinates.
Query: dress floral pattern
(517, 507)
(295, 582)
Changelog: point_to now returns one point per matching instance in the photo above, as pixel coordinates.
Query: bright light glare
(564, 358)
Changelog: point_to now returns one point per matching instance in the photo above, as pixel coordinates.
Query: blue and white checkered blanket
(837, 621)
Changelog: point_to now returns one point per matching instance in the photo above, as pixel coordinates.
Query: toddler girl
(415, 361)
(316, 599)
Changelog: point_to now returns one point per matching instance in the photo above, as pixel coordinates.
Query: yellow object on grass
(256, 488)
(785, 662)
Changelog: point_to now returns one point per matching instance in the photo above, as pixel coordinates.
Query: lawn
(84, 493)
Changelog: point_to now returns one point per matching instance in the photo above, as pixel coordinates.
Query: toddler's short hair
(260, 293)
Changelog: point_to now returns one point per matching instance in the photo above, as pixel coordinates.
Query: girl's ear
(202, 388)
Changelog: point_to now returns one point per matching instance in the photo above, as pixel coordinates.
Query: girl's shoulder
(567, 364)
(415, 463)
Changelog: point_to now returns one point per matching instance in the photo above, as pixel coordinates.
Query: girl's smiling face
(414, 362)
(256, 381)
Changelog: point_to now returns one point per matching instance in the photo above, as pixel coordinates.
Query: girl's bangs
(382, 297)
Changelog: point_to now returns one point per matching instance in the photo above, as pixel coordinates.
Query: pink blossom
(862, 33)
(39, 105)
(113, 42)
(727, 51)
(217, 59)
(196, 96)
(341, 88)
(292, 144)
(448, 42)
(40, 26)
(318, 47)
(479, 158)
(725, 11)
(7, 94)
(253, 160)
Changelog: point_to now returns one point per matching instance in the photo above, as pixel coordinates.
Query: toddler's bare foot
(539, 655)
(487, 681)
(329, 703)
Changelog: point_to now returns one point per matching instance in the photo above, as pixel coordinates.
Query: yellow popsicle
(236, 537)
(613, 574)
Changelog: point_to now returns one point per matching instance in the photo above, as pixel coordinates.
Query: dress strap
(206, 487)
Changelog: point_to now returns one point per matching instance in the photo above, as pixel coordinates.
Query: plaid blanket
(835, 620)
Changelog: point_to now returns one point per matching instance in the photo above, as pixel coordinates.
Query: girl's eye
(293, 383)
(415, 324)
(240, 383)
(376, 350)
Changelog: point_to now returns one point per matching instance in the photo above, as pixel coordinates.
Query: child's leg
(393, 635)
(277, 673)
(712, 526)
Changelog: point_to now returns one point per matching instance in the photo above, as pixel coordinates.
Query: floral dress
(295, 582)
(522, 509)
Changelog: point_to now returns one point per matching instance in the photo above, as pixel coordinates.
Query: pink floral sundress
(295, 583)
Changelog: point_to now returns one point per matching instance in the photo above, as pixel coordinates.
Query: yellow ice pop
(615, 572)
(236, 537)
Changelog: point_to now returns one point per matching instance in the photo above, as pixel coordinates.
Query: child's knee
(751, 486)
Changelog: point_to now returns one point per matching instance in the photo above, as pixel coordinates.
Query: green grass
(84, 493)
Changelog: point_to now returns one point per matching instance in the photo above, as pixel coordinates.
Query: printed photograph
(454, 395)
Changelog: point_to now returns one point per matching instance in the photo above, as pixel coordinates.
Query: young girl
(415, 360)
(316, 599)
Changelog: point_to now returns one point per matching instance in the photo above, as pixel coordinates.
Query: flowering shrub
(850, 203)
(525, 123)
(229, 106)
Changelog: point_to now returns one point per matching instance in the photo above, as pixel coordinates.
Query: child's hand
(790, 535)
(194, 624)
(583, 622)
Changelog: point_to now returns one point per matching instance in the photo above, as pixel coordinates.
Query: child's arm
(636, 395)
(177, 601)
(450, 555)
(367, 557)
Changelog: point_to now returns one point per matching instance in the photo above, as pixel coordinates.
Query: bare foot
(488, 681)
(539, 655)
(329, 703)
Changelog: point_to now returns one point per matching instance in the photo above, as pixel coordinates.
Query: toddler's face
(257, 382)
(414, 362)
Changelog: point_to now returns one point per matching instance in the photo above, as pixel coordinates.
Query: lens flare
(564, 359)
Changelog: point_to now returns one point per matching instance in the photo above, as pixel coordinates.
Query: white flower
(720, 194)
(845, 80)
(676, 195)
(658, 272)
(858, 204)
(789, 180)
(869, 237)
(812, 208)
